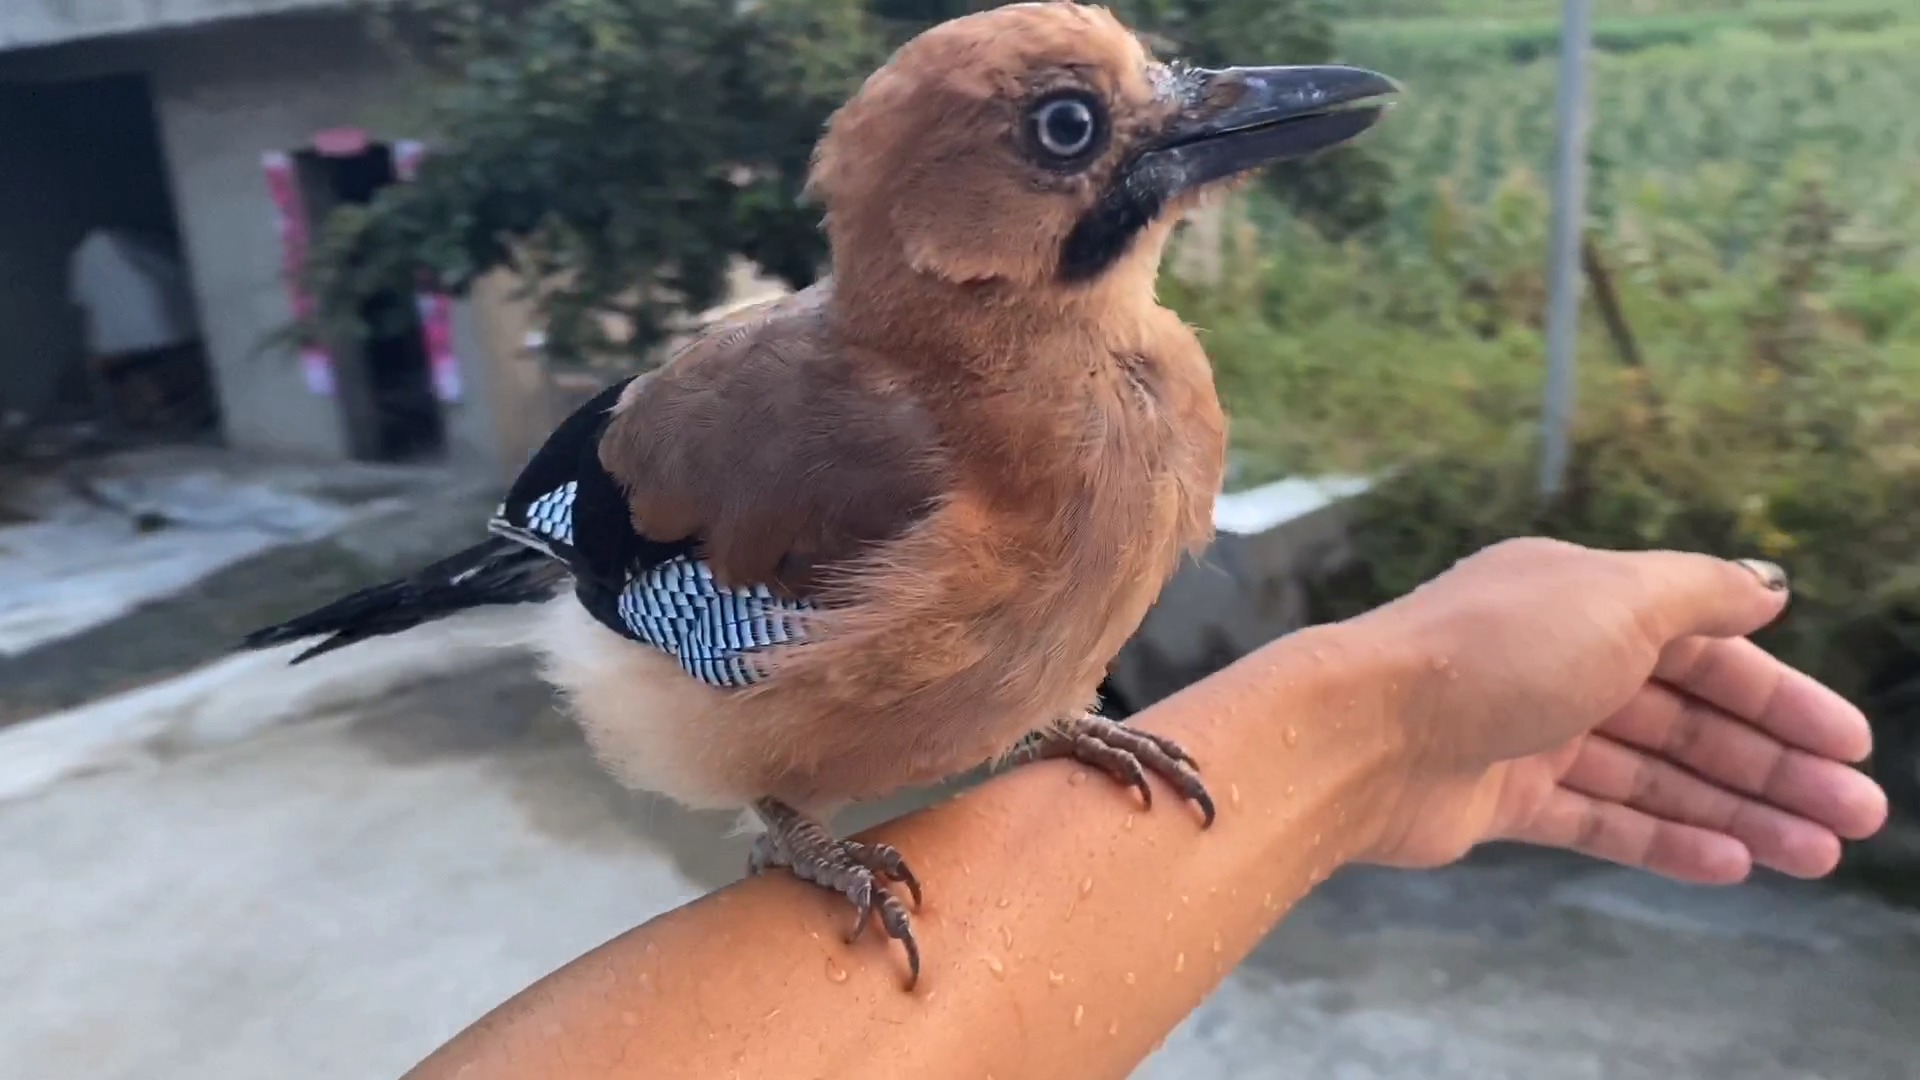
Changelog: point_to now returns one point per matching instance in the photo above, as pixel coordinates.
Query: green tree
(627, 150)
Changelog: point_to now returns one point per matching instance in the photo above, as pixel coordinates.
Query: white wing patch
(551, 515)
(549, 518)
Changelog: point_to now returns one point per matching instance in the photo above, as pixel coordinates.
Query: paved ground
(333, 897)
(144, 565)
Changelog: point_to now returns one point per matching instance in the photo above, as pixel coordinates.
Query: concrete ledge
(1251, 587)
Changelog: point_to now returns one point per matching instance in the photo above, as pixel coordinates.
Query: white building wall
(225, 95)
(33, 23)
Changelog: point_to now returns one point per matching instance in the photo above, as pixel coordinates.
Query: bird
(896, 525)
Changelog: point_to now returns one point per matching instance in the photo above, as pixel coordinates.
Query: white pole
(1563, 249)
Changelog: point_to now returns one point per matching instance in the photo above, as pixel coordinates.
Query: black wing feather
(497, 571)
(518, 565)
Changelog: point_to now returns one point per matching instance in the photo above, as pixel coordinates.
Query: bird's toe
(859, 872)
(1127, 755)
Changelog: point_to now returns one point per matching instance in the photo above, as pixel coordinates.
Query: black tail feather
(494, 572)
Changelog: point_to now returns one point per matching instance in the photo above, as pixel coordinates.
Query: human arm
(1073, 929)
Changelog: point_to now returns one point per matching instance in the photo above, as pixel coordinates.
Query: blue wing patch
(675, 606)
(711, 629)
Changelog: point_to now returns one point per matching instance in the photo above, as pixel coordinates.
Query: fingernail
(1769, 574)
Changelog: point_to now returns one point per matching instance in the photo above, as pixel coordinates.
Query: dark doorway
(101, 343)
(385, 380)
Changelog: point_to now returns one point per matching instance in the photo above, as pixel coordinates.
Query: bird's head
(1041, 144)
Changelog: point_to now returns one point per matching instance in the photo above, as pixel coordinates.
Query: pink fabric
(340, 142)
(290, 222)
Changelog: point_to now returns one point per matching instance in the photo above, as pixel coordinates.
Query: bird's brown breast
(982, 528)
(1072, 499)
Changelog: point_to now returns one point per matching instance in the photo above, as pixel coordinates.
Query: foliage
(1493, 9)
(1618, 24)
(622, 152)
(1776, 413)
(1755, 196)
(1747, 105)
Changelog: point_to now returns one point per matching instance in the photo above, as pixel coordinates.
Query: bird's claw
(860, 872)
(1124, 753)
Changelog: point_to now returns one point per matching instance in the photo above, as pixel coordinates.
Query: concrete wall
(225, 95)
(28, 23)
(1273, 544)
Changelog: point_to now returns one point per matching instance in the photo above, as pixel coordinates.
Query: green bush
(1473, 37)
(1747, 104)
(1776, 413)
(624, 152)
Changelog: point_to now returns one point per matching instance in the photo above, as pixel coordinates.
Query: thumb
(1682, 594)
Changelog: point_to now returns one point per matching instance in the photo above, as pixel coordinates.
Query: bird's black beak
(1239, 119)
(1229, 122)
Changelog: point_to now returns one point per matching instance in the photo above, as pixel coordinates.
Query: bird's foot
(1124, 753)
(859, 872)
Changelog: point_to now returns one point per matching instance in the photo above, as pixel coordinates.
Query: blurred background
(290, 288)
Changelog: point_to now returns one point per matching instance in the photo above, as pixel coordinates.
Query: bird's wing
(538, 510)
(702, 507)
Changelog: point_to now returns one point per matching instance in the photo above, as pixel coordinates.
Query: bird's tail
(497, 571)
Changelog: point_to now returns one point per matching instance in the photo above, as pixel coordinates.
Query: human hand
(1609, 703)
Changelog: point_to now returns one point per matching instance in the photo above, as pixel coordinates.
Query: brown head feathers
(942, 161)
(1041, 145)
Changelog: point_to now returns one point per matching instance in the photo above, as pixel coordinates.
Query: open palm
(1657, 736)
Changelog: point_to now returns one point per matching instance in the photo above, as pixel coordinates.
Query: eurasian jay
(883, 530)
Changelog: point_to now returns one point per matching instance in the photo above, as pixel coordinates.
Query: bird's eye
(1065, 127)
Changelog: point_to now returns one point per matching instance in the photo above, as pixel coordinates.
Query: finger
(1607, 830)
(1743, 679)
(1786, 842)
(1681, 594)
(1739, 756)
